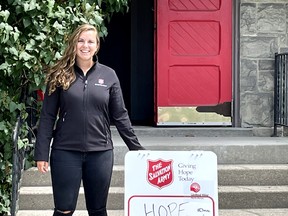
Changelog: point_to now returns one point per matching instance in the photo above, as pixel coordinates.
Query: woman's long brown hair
(62, 73)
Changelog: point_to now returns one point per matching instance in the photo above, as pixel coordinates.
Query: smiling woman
(86, 48)
(81, 50)
(83, 95)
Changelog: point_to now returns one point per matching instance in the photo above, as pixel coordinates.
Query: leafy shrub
(32, 35)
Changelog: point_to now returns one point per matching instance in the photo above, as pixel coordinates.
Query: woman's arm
(120, 117)
(48, 117)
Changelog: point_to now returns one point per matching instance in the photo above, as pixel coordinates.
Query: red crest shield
(160, 173)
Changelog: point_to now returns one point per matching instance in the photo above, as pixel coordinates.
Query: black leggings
(67, 170)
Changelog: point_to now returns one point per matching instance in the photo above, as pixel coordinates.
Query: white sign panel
(171, 183)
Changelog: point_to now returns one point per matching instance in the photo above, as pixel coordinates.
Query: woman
(82, 95)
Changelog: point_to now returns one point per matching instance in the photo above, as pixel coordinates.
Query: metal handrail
(18, 165)
(18, 158)
(281, 91)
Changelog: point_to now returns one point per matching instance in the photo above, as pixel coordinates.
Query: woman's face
(86, 46)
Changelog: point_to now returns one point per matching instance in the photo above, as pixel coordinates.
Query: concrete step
(32, 177)
(229, 150)
(252, 174)
(222, 212)
(228, 175)
(230, 197)
(195, 131)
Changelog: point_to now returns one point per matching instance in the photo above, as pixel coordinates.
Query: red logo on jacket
(160, 173)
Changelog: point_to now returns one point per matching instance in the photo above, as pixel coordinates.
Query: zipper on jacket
(85, 92)
(85, 83)
(64, 116)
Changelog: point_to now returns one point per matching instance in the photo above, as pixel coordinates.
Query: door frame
(236, 122)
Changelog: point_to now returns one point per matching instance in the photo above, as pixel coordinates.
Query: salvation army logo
(160, 173)
(101, 81)
(195, 187)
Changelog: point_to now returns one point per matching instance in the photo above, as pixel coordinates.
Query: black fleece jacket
(83, 115)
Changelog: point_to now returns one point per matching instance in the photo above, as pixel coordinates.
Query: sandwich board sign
(171, 183)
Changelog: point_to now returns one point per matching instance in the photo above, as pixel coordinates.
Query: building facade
(259, 30)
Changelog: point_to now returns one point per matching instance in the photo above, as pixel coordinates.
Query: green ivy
(32, 36)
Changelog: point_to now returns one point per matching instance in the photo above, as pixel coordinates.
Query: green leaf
(2, 25)
(8, 28)
(15, 35)
(12, 106)
(98, 18)
(58, 55)
(20, 143)
(5, 14)
(13, 51)
(26, 22)
(26, 7)
(41, 36)
(30, 6)
(25, 56)
(4, 66)
(29, 46)
(28, 65)
(50, 7)
(37, 80)
(2, 126)
(57, 26)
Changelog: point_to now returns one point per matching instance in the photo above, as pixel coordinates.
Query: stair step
(235, 212)
(40, 198)
(229, 150)
(236, 174)
(190, 131)
(253, 174)
(32, 177)
(238, 197)
(230, 197)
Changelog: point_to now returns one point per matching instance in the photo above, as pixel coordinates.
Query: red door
(193, 58)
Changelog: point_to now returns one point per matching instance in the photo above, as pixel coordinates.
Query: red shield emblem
(160, 173)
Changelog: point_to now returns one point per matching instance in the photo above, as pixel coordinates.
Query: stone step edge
(222, 212)
(220, 167)
(44, 190)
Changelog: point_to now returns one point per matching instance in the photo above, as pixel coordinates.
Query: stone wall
(263, 32)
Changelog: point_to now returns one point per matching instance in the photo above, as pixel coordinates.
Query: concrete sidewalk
(234, 212)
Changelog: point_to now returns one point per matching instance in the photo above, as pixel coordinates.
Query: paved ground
(254, 212)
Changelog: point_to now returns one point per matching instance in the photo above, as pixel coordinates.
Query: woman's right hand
(42, 166)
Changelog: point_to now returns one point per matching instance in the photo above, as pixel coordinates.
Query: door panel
(187, 94)
(194, 5)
